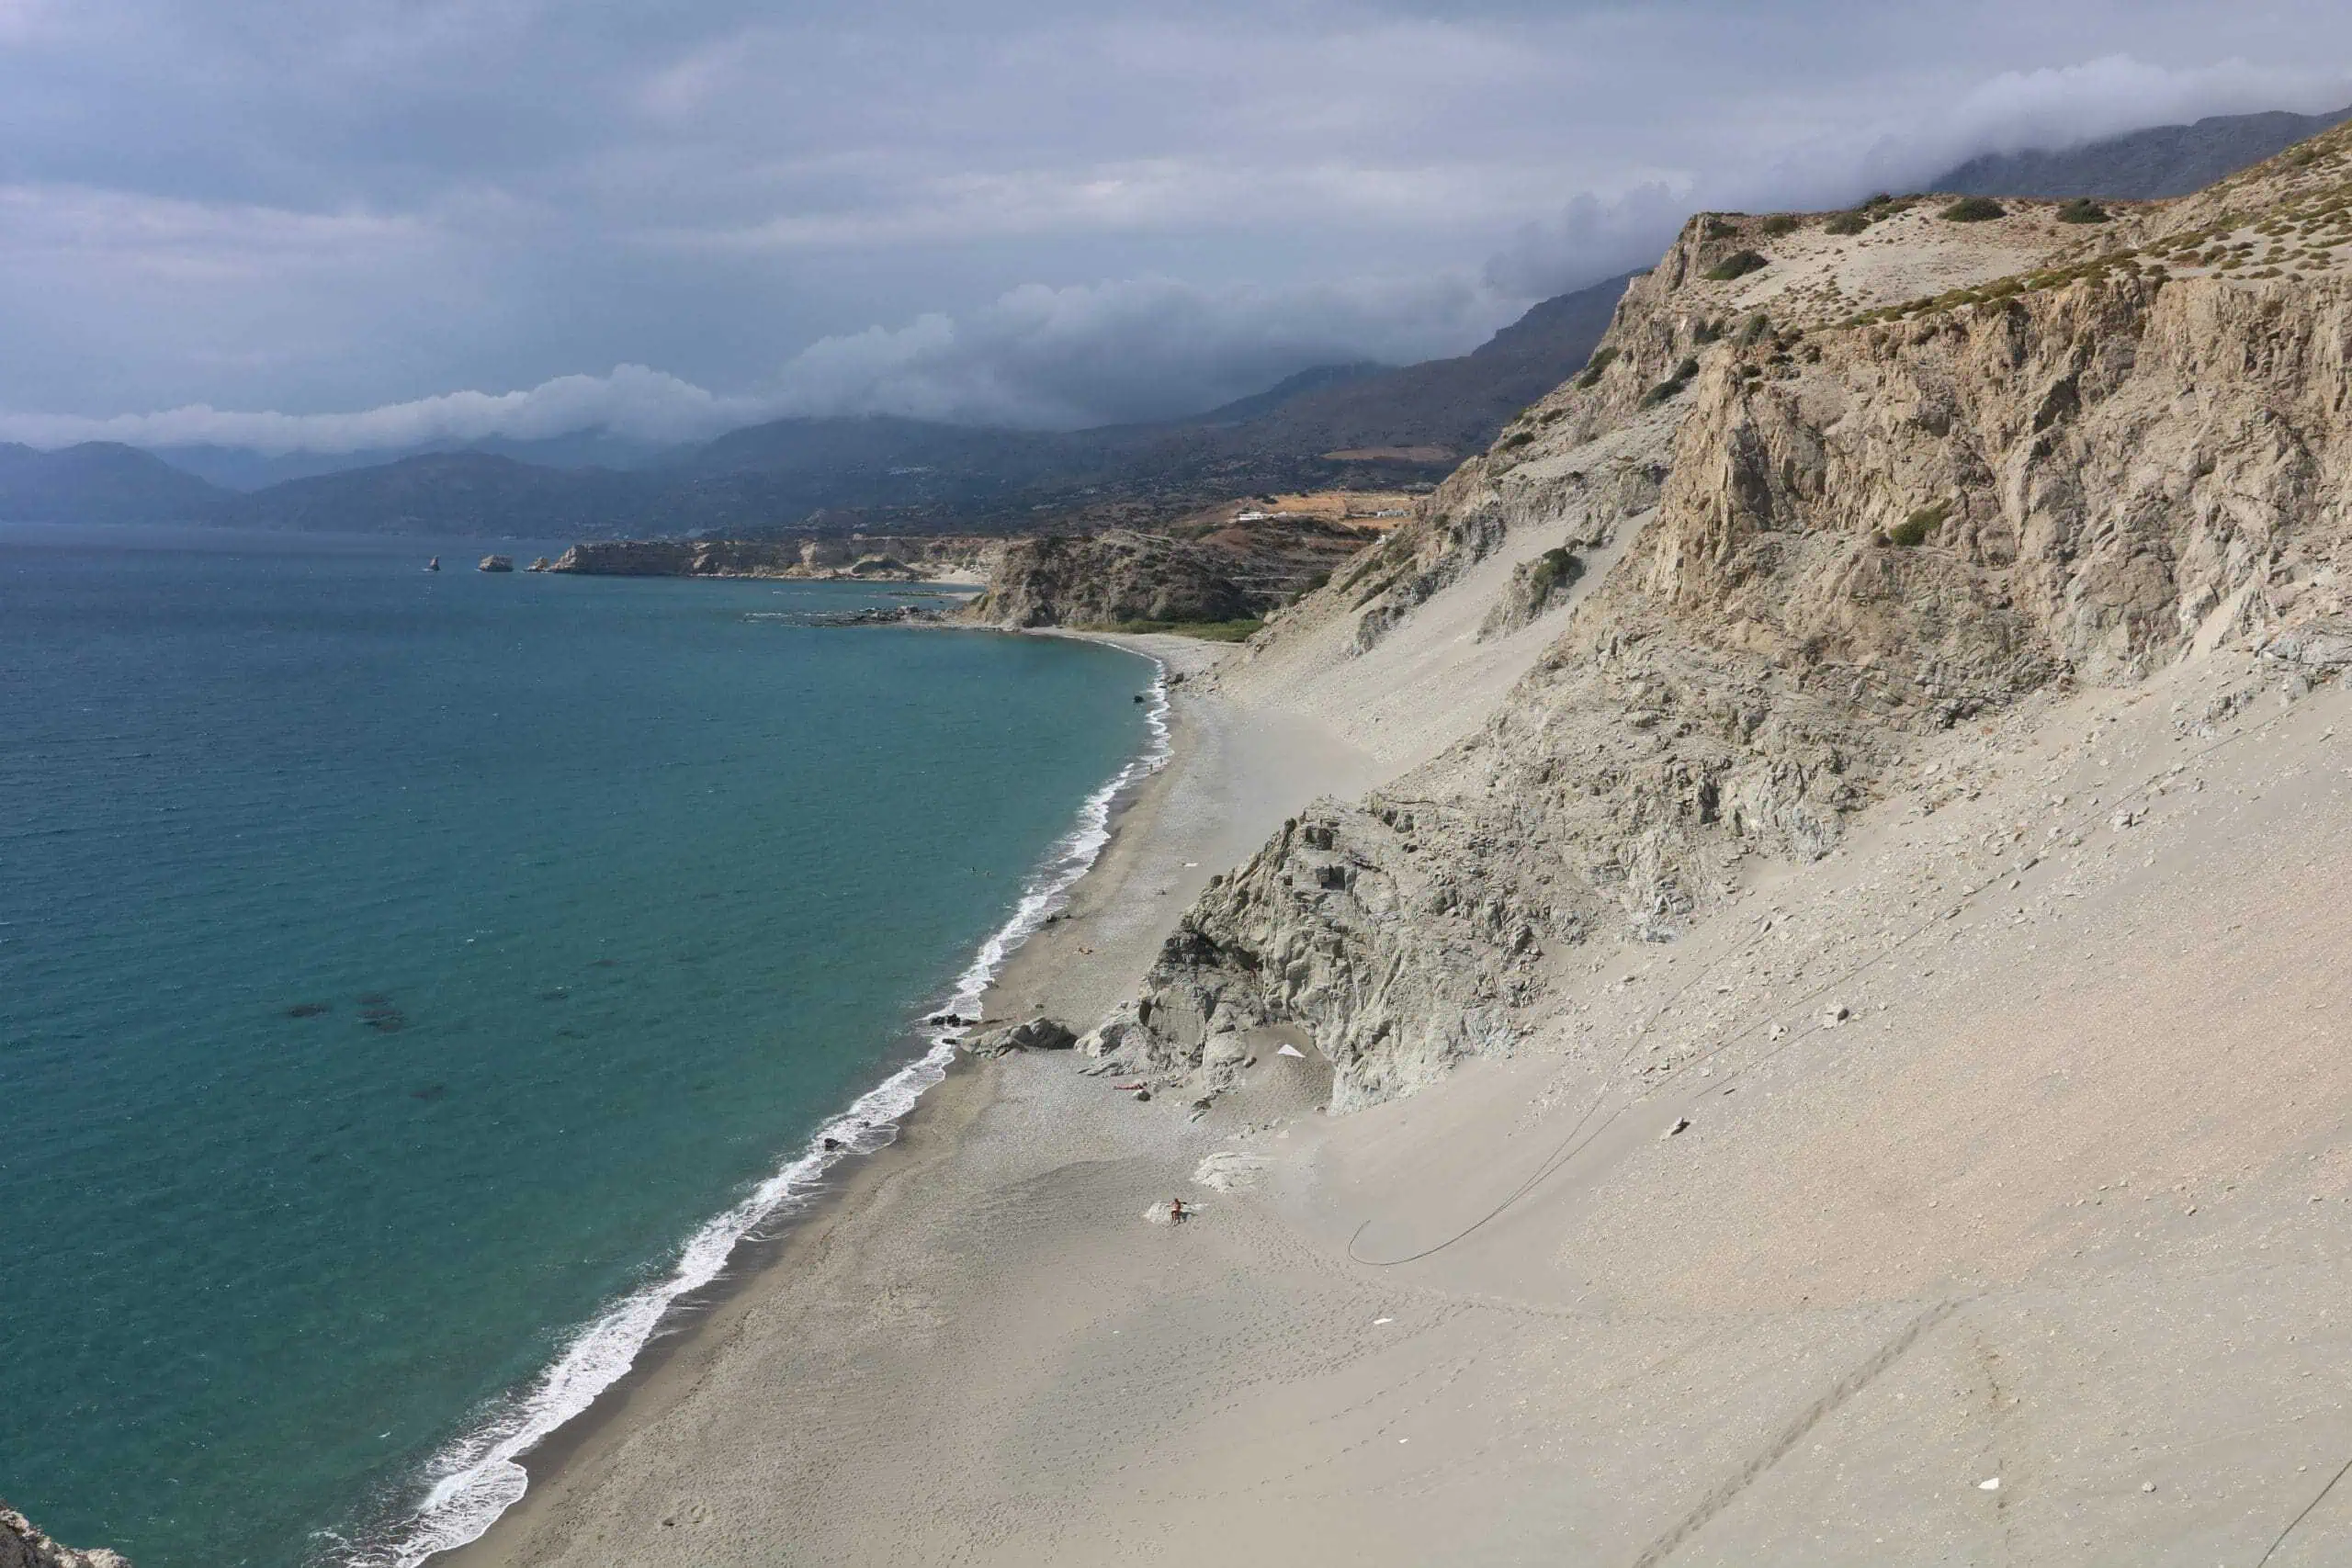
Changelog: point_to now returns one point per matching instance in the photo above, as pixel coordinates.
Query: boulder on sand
(1037, 1035)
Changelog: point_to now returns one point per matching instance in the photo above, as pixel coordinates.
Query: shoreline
(1171, 832)
(701, 1321)
(1029, 955)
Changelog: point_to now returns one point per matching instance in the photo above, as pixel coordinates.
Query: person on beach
(1175, 1211)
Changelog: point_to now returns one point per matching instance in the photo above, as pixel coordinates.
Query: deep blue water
(395, 969)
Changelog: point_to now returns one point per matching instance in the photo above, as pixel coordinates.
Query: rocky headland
(23, 1546)
(854, 557)
(1222, 569)
(1225, 573)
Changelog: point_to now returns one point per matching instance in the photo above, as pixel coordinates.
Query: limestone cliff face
(1876, 512)
(22, 1546)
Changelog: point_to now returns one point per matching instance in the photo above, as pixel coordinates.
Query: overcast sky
(366, 222)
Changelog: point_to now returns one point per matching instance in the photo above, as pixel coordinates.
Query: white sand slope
(2063, 1201)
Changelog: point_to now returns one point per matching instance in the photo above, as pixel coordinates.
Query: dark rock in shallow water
(833, 1143)
(309, 1009)
(430, 1091)
(879, 615)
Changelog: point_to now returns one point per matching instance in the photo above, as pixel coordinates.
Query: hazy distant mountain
(1290, 389)
(471, 493)
(1328, 425)
(1458, 404)
(99, 482)
(2165, 160)
(239, 468)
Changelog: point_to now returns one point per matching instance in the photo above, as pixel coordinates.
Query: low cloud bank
(1139, 349)
(633, 401)
(1036, 358)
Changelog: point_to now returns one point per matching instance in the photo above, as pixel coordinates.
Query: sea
(413, 984)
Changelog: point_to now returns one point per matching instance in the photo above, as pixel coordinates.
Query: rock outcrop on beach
(1107, 579)
(22, 1546)
(876, 559)
(1234, 563)
(1867, 476)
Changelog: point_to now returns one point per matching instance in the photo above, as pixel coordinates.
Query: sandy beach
(942, 1190)
(1932, 1205)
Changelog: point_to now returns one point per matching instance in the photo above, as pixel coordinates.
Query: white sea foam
(480, 1475)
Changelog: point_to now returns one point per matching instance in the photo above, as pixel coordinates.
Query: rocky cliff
(1217, 568)
(1869, 474)
(857, 555)
(22, 1546)
(1107, 579)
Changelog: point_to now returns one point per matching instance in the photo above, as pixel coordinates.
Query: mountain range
(1329, 426)
(1359, 424)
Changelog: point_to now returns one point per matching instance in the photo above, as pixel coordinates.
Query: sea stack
(496, 563)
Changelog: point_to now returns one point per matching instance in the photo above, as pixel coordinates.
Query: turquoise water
(395, 970)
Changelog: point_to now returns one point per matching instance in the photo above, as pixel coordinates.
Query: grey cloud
(1141, 349)
(632, 401)
(283, 204)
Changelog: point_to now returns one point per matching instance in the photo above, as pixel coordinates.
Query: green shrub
(1739, 264)
(1884, 198)
(1672, 387)
(2082, 209)
(1716, 229)
(1595, 365)
(1913, 531)
(1782, 223)
(1847, 223)
(1753, 330)
(1515, 440)
(1974, 210)
(1706, 333)
(1555, 569)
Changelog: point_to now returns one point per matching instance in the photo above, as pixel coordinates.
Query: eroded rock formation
(1888, 482)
